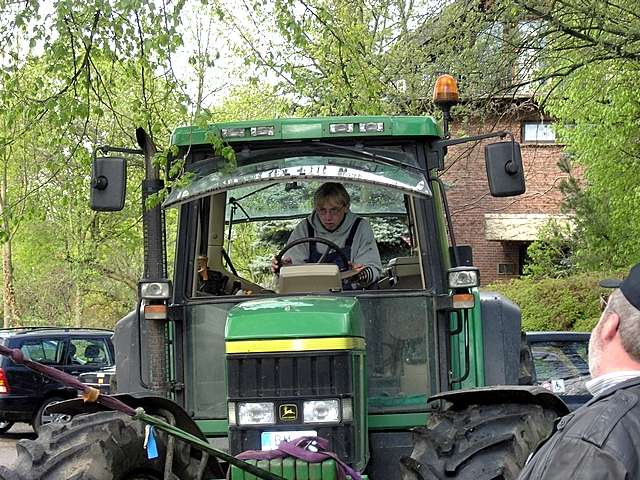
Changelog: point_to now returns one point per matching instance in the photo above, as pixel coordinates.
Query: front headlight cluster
(313, 411)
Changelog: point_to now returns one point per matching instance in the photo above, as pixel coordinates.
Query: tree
(82, 75)
(332, 58)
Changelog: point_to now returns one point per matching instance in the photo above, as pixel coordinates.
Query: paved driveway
(8, 442)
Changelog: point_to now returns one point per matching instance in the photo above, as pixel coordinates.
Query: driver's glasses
(329, 211)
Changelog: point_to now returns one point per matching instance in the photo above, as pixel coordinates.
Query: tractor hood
(295, 317)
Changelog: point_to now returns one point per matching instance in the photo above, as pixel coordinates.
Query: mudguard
(503, 394)
(149, 403)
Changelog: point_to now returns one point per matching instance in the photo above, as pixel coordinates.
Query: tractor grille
(290, 379)
(289, 375)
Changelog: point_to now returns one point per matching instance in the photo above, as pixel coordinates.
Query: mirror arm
(106, 149)
(473, 138)
(438, 150)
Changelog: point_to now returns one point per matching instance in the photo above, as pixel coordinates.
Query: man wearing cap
(601, 440)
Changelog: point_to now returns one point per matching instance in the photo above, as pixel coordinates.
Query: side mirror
(108, 184)
(504, 169)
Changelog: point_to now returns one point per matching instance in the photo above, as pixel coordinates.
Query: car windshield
(562, 366)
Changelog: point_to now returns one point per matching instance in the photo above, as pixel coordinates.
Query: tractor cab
(243, 207)
(265, 198)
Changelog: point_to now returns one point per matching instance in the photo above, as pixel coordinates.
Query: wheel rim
(48, 417)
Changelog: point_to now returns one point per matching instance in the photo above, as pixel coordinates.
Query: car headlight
(464, 277)
(256, 413)
(321, 411)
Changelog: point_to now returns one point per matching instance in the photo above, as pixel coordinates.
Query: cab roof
(309, 129)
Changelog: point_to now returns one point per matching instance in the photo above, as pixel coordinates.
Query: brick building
(499, 230)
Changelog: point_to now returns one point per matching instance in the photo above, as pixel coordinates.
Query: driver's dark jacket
(600, 440)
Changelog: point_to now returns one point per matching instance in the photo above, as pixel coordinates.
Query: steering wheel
(330, 247)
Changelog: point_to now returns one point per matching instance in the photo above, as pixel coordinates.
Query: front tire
(103, 446)
(477, 442)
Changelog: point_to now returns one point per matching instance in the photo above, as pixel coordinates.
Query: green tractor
(414, 376)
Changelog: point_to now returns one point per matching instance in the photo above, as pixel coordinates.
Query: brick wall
(470, 200)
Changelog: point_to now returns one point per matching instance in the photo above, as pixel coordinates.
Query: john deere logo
(288, 412)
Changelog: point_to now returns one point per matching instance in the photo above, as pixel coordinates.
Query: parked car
(103, 379)
(25, 394)
(561, 364)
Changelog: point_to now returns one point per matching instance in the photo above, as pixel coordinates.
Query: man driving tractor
(332, 220)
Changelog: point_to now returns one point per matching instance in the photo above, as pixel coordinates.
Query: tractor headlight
(154, 290)
(321, 411)
(464, 277)
(256, 413)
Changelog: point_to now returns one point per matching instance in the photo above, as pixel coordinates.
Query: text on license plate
(271, 440)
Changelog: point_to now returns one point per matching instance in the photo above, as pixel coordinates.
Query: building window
(506, 269)
(538, 132)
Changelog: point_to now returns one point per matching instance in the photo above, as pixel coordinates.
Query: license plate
(271, 440)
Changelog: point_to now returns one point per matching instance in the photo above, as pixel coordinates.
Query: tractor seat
(404, 272)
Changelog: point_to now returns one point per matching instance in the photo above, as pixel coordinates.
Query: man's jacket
(600, 440)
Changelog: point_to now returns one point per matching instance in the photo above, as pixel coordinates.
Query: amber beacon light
(445, 95)
(445, 91)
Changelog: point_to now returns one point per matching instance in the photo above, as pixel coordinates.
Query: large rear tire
(478, 442)
(102, 446)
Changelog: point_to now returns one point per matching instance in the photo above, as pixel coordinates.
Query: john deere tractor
(412, 376)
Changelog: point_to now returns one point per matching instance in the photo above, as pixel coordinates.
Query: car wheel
(43, 416)
(5, 426)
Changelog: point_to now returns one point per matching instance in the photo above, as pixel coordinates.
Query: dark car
(561, 364)
(25, 394)
(103, 379)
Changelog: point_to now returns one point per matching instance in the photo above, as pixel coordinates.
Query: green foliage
(334, 58)
(551, 254)
(76, 75)
(600, 110)
(567, 303)
(251, 101)
(250, 256)
(224, 150)
(89, 77)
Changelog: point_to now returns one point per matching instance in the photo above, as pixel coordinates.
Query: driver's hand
(365, 274)
(274, 263)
